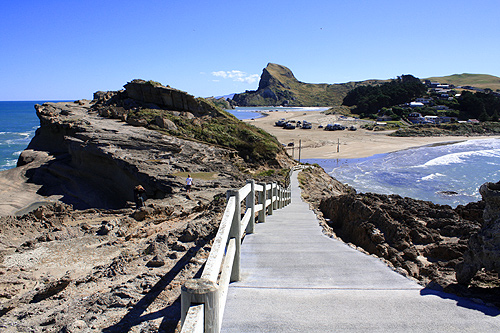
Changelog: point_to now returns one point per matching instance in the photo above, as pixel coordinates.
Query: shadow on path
(462, 302)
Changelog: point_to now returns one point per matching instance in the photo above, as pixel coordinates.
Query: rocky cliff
(278, 86)
(95, 163)
(145, 135)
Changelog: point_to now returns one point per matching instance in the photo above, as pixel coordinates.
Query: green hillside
(476, 80)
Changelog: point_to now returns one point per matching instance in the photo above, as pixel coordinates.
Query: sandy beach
(318, 143)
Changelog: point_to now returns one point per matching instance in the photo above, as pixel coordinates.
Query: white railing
(203, 299)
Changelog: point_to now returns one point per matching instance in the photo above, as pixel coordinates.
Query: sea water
(445, 174)
(18, 122)
(253, 112)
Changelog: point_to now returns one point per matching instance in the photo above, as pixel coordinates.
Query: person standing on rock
(189, 183)
(138, 196)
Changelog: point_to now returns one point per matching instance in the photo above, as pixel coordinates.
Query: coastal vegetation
(173, 112)
(369, 99)
(395, 100)
(253, 144)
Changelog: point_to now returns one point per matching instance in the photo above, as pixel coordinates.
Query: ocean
(445, 174)
(18, 123)
(252, 112)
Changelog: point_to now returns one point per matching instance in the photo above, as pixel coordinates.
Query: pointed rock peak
(274, 74)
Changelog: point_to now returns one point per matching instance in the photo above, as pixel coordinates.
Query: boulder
(157, 261)
(165, 123)
(483, 247)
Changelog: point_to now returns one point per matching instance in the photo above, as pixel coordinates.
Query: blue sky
(70, 49)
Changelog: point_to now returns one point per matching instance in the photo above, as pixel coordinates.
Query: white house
(416, 104)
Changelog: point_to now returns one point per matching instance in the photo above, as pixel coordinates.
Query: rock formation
(95, 162)
(484, 247)
(278, 86)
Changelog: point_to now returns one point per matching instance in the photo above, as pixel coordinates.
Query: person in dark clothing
(138, 196)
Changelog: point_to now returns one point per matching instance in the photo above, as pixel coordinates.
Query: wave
(23, 134)
(8, 163)
(459, 158)
(432, 176)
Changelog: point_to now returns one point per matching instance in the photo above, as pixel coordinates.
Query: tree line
(387, 98)
(370, 99)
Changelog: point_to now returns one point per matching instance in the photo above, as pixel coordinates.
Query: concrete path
(295, 279)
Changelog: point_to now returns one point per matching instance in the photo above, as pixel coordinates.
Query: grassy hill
(476, 80)
(278, 86)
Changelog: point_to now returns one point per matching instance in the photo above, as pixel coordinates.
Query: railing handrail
(223, 263)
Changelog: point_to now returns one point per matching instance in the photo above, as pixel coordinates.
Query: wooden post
(300, 148)
(206, 292)
(281, 197)
(235, 233)
(270, 207)
(262, 200)
(250, 203)
(275, 191)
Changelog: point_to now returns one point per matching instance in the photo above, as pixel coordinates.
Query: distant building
(431, 119)
(416, 104)
(416, 118)
(424, 100)
(431, 84)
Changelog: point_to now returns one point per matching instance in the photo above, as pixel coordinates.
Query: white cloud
(237, 76)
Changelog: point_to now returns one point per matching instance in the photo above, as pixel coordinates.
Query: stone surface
(112, 158)
(416, 235)
(484, 247)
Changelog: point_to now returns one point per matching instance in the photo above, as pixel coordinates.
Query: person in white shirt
(189, 183)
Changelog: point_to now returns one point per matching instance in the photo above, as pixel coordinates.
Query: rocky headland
(278, 86)
(76, 253)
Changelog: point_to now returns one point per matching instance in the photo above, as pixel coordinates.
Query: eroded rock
(484, 247)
